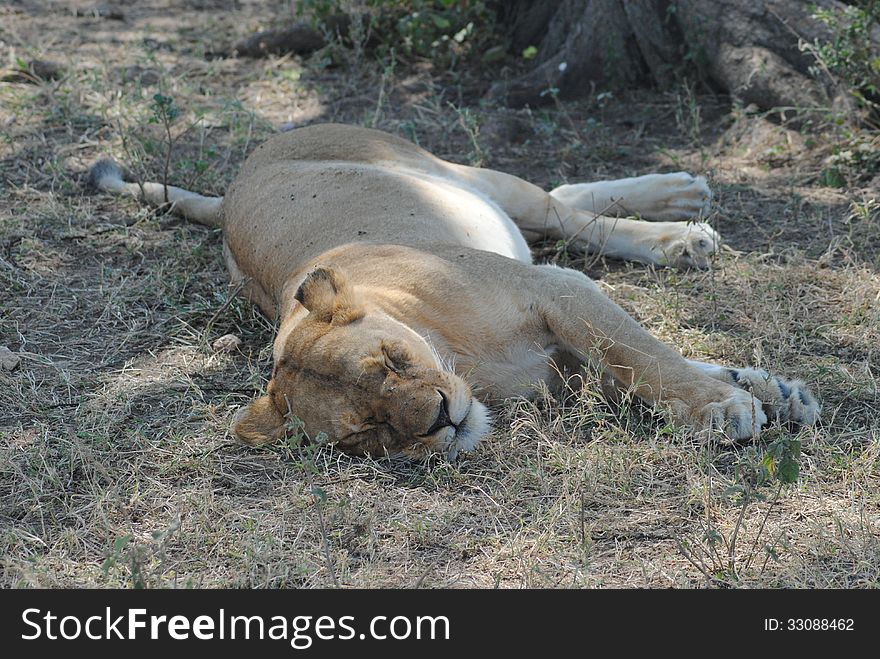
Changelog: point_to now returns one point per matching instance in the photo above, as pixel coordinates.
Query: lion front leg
(586, 322)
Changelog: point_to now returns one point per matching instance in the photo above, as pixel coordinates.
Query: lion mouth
(464, 436)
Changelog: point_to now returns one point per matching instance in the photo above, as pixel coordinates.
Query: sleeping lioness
(407, 295)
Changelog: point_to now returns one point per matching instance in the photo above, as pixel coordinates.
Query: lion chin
(470, 431)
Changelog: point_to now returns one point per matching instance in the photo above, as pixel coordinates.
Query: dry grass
(117, 466)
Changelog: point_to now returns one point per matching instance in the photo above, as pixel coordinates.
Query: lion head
(366, 381)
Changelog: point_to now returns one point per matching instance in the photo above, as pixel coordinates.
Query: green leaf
(441, 22)
(784, 456)
(789, 470)
(530, 52)
(461, 35)
(832, 177)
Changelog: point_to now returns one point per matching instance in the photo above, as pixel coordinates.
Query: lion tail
(107, 176)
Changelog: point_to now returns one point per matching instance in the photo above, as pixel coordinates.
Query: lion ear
(259, 423)
(326, 294)
(319, 290)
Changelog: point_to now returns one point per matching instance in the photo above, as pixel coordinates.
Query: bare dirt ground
(117, 466)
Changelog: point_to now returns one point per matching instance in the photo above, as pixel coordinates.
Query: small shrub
(850, 57)
(442, 30)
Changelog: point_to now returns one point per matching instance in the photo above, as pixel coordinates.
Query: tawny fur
(385, 264)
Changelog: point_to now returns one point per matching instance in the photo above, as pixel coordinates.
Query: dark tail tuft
(104, 171)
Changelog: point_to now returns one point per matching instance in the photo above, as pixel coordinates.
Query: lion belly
(287, 213)
(470, 218)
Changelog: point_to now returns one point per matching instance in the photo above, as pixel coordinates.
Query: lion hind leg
(669, 197)
(539, 214)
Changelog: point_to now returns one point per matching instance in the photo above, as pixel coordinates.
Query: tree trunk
(746, 48)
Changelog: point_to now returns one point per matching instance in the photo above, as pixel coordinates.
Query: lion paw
(684, 245)
(739, 416)
(784, 400)
(781, 399)
(677, 196)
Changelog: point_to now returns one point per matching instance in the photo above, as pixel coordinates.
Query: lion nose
(443, 419)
